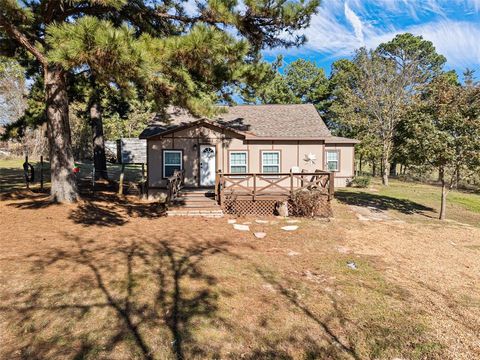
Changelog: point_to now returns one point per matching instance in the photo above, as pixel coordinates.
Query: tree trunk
(443, 206)
(360, 165)
(96, 121)
(385, 163)
(393, 169)
(64, 187)
(374, 168)
(385, 171)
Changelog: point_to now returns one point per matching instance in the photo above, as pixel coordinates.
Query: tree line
(399, 100)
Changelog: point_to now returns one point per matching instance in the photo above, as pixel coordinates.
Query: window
(238, 162)
(333, 162)
(270, 162)
(172, 160)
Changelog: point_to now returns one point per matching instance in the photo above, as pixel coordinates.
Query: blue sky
(341, 26)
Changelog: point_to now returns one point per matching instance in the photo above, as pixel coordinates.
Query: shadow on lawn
(382, 202)
(142, 284)
(104, 209)
(338, 346)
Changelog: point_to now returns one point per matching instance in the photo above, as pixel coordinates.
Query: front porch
(249, 193)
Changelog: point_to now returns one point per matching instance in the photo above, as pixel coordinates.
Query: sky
(341, 26)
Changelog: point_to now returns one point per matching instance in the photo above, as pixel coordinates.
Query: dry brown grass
(111, 279)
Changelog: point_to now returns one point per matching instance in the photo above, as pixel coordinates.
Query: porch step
(195, 202)
(211, 213)
(197, 194)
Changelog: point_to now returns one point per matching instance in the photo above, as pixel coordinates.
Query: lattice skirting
(266, 207)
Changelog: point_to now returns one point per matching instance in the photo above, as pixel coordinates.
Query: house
(254, 140)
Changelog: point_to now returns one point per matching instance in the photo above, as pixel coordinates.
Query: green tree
(187, 58)
(12, 90)
(301, 82)
(443, 132)
(370, 93)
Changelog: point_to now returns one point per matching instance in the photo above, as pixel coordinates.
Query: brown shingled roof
(298, 121)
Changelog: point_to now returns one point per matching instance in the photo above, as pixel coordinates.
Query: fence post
(291, 182)
(331, 185)
(41, 173)
(122, 175)
(93, 180)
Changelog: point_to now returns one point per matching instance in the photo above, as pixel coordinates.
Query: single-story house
(262, 139)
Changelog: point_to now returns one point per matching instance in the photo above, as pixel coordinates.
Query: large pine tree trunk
(64, 187)
(99, 158)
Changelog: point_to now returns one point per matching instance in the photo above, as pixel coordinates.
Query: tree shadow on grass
(338, 346)
(104, 209)
(154, 289)
(111, 210)
(382, 202)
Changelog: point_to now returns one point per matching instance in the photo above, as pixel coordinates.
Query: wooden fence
(252, 186)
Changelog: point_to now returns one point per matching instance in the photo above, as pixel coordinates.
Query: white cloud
(355, 21)
(341, 26)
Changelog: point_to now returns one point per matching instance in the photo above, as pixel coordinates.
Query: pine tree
(185, 46)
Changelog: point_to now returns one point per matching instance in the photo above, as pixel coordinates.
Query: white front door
(207, 165)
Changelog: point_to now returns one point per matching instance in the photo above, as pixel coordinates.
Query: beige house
(260, 139)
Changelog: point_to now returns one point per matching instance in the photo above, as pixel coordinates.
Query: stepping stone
(260, 235)
(293, 221)
(290, 228)
(293, 253)
(231, 221)
(352, 265)
(241, 227)
(343, 249)
(261, 221)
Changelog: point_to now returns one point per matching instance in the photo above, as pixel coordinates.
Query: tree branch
(17, 35)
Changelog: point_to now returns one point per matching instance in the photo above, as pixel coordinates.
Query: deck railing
(175, 184)
(271, 186)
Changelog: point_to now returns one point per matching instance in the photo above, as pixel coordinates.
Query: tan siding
(293, 154)
(346, 173)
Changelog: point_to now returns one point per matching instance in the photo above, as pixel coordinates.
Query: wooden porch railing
(275, 186)
(175, 184)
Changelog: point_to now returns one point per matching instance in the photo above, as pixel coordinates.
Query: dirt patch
(112, 278)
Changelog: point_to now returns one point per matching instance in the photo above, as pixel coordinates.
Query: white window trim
(337, 161)
(230, 159)
(279, 161)
(163, 159)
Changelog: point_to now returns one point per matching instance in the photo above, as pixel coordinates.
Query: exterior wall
(189, 141)
(347, 163)
(292, 154)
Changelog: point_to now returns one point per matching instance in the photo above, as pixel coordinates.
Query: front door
(207, 165)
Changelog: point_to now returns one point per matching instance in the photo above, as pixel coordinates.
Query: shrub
(361, 181)
(307, 203)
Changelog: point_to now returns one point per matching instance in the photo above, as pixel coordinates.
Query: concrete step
(194, 198)
(196, 213)
(201, 194)
(195, 206)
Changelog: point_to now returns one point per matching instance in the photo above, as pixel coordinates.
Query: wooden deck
(247, 193)
(252, 186)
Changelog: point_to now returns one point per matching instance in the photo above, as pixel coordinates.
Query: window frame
(164, 151)
(230, 161)
(279, 152)
(337, 151)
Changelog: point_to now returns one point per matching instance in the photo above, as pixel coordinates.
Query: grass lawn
(403, 199)
(112, 278)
